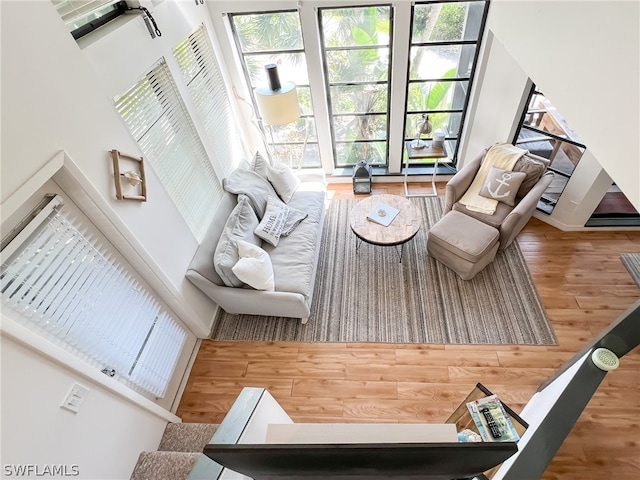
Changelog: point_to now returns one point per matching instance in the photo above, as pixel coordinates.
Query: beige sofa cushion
(240, 226)
(248, 182)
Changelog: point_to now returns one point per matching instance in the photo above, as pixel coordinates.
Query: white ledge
(34, 342)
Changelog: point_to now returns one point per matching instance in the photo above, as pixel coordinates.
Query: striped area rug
(632, 263)
(368, 296)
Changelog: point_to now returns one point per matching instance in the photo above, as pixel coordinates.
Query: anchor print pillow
(502, 185)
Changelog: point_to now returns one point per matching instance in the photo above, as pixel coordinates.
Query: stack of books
(492, 421)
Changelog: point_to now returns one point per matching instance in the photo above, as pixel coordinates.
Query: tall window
(276, 38)
(203, 78)
(158, 120)
(546, 133)
(445, 41)
(356, 45)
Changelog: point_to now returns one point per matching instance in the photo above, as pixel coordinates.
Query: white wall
(103, 439)
(584, 56)
(582, 194)
(56, 96)
(496, 99)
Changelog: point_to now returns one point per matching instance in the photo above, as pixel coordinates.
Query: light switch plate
(75, 397)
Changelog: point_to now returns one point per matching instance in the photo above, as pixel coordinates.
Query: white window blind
(158, 120)
(75, 13)
(67, 287)
(205, 83)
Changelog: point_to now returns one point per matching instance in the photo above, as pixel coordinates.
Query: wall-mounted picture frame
(129, 177)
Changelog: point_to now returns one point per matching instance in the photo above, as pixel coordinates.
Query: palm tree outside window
(356, 45)
(353, 84)
(445, 43)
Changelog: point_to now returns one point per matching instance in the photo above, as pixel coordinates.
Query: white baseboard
(579, 228)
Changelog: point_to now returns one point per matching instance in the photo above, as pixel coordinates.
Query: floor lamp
(277, 104)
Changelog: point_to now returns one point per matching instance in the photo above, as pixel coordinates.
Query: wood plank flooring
(583, 286)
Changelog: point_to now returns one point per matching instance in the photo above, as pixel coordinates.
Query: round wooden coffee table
(403, 228)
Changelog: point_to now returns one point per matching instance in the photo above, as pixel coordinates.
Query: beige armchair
(508, 220)
(467, 240)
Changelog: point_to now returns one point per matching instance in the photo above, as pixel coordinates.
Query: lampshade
(278, 107)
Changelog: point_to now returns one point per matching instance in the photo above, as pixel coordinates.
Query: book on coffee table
(382, 214)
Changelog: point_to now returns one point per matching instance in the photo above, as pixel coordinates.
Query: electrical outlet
(75, 397)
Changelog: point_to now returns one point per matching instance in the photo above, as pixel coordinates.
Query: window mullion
(399, 77)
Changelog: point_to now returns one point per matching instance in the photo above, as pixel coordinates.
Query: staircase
(180, 447)
(179, 455)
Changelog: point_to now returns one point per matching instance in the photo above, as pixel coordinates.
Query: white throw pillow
(284, 181)
(254, 266)
(273, 222)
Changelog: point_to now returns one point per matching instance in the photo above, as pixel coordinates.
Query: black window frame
(546, 204)
(453, 155)
(329, 84)
(245, 72)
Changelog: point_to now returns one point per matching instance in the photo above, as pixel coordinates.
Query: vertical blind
(201, 73)
(67, 287)
(158, 120)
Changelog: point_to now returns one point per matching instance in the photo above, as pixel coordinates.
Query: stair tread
(164, 465)
(186, 437)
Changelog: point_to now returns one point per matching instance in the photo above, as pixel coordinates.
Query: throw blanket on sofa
(501, 155)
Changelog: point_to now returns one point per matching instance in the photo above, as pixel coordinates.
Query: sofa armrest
(247, 301)
(461, 181)
(522, 212)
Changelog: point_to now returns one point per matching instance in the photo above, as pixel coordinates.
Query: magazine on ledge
(492, 421)
(383, 214)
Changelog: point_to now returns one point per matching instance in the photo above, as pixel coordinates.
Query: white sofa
(294, 259)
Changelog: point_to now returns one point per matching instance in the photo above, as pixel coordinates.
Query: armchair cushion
(534, 167)
(502, 185)
(495, 220)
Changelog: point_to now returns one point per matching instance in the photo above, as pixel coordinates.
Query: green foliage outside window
(357, 55)
(450, 23)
